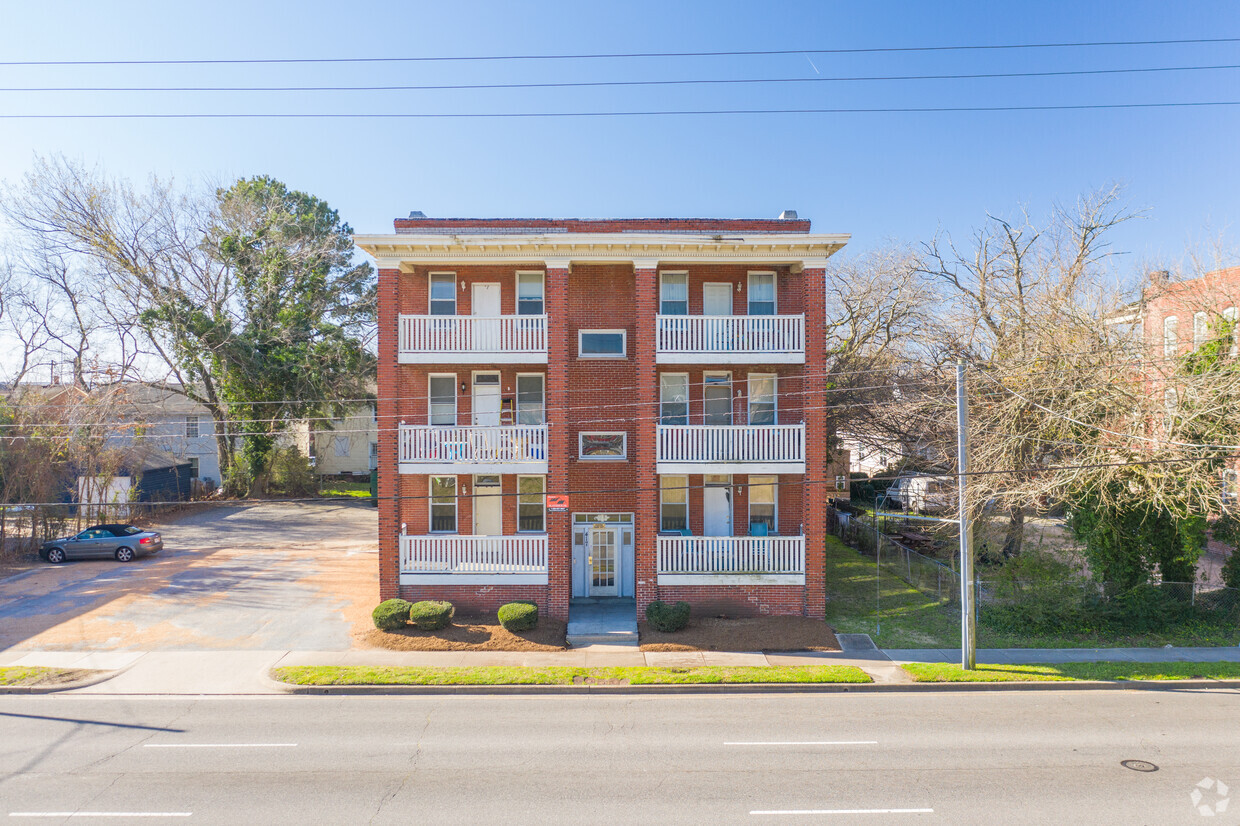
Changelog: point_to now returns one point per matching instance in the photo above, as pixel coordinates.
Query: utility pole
(968, 631)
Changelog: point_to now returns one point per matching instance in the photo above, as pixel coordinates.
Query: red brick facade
(611, 395)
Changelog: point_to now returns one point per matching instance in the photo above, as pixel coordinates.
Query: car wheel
(124, 554)
(55, 556)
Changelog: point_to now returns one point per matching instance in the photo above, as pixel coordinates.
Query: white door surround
(717, 506)
(486, 332)
(603, 560)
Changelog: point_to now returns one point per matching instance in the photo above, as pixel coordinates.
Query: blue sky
(877, 176)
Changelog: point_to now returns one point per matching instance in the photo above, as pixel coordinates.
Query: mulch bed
(742, 634)
(472, 634)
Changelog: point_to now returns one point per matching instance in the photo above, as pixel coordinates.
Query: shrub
(1231, 570)
(391, 615)
(431, 616)
(518, 616)
(291, 473)
(667, 618)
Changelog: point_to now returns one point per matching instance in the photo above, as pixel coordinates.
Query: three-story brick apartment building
(631, 408)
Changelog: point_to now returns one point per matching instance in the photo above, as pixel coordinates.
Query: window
(443, 400)
(602, 445)
(762, 399)
(1231, 486)
(1229, 329)
(718, 398)
(1171, 402)
(674, 293)
(341, 445)
(529, 293)
(443, 504)
(1201, 329)
(763, 498)
(191, 427)
(530, 405)
(443, 293)
(374, 413)
(602, 344)
(673, 503)
(1171, 337)
(193, 467)
(674, 398)
(374, 455)
(531, 516)
(762, 293)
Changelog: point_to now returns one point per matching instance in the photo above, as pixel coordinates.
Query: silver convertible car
(119, 542)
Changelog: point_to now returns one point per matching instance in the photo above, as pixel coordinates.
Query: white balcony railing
(454, 559)
(773, 559)
(731, 448)
(440, 339)
(501, 449)
(760, 339)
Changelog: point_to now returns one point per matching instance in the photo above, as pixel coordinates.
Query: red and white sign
(557, 502)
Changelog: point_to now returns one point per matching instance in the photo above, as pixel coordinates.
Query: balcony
(731, 560)
(730, 339)
(502, 449)
(730, 448)
(468, 339)
(451, 559)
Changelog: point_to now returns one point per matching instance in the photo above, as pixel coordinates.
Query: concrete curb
(95, 679)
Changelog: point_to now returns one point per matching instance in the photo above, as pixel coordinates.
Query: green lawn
(514, 675)
(23, 676)
(906, 618)
(950, 673)
(357, 490)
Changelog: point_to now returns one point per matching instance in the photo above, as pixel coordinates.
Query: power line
(619, 55)
(616, 114)
(618, 83)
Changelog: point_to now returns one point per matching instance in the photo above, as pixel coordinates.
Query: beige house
(340, 447)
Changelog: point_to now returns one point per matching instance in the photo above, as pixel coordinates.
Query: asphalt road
(876, 758)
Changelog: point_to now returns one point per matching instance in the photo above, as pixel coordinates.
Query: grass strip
(1116, 671)
(27, 676)
(560, 675)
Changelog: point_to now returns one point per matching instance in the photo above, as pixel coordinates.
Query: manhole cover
(1139, 765)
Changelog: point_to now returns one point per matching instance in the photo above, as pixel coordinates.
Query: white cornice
(392, 251)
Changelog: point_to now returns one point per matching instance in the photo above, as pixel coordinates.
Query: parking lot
(261, 576)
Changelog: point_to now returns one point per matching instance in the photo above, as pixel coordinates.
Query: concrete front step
(601, 638)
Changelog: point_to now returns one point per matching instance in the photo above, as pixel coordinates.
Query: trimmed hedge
(431, 616)
(521, 615)
(391, 615)
(667, 618)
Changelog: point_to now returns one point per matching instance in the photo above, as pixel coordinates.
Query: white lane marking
(219, 745)
(100, 814)
(844, 812)
(804, 743)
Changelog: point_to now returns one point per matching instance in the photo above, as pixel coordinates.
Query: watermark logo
(1209, 797)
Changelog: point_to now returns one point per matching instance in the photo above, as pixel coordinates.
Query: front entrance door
(488, 519)
(604, 561)
(486, 328)
(717, 506)
(603, 564)
(716, 299)
(486, 399)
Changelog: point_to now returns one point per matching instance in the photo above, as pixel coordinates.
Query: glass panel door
(603, 553)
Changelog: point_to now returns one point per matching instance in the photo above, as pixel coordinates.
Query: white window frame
(731, 403)
(456, 507)
(193, 466)
(456, 303)
(1201, 328)
(678, 273)
(749, 396)
(685, 376)
(774, 289)
(430, 400)
(516, 284)
(624, 345)
(517, 396)
(683, 485)
(542, 501)
(1171, 337)
(197, 428)
(774, 499)
(624, 445)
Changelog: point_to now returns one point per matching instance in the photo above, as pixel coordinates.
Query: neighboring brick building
(665, 377)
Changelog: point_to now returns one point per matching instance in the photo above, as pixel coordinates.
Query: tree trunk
(1015, 535)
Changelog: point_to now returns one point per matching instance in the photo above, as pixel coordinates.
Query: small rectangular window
(762, 399)
(529, 293)
(531, 407)
(531, 515)
(193, 467)
(762, 293)
(673, 503)
(673, 398)
(602, 445)
(443, 400)
(674, 293)
(602, 344)
(191, 427)
(443, 293)
(762, 501)
(341, 445)
(443, 504)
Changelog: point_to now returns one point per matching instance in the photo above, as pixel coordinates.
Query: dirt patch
(743, 634)
(17, 676)
(466, 634)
